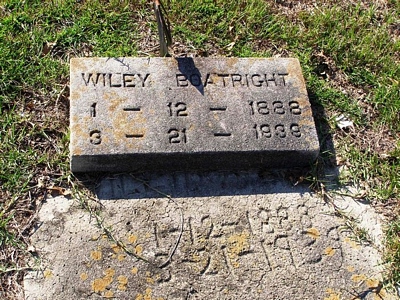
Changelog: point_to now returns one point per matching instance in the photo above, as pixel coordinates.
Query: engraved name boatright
(181, 113)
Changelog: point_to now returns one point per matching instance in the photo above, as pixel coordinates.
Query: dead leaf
(57, 191)
(47, 47)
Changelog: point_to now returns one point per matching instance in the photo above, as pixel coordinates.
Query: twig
(3, 271)
(163, 25)
(119, 243)
(60, 94)
(172, 252)
(100, 224)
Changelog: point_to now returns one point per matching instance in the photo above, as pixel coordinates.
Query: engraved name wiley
(130, 80)
(263, 115)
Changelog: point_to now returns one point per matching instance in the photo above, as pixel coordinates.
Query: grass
(393, 250)
(349, 52)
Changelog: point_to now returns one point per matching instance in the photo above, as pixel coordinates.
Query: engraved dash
(223, 108)
(133, 136)
(222, 134)
(131, 108)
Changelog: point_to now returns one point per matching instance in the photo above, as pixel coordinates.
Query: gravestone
(181, 113)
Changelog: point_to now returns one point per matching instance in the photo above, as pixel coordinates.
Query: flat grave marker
(132, 114)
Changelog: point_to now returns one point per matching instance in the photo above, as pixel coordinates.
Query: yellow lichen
(116, 248)
(121, 257)
(47, 274)
(353, 244)
(381, 295)
(84, 276)
(313, 232)
(236, 244)
(95, 237)
(122, 281)
(329, 251)
(358, 277)
(96, 254)
(150, 280)
(110, 272)
(351, 269)
(108, 294)
(372, 283)
(139, 249)
(145, 296)
(100, 284)
(132, 238)
(134, 270)
(332, 295)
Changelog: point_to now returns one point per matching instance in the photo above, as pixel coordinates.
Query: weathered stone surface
(221, 236)
(182, 113)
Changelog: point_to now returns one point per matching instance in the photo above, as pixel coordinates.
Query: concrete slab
(132, 114)
(219, 235)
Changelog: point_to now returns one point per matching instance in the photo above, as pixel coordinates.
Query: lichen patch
(95, 237)
(313, 232)
(351, 269)
(381, 295)
(122, 282)
(358, 277)
(149, 279)
(372, 283)
(329, 251)
(132, 239)
(332, 295)
(83, 276)
(117, 249)
(108, 295)
(139, 249)
(121, 257)
(96, 254)
(47, 274)
(100, 284)
(237, 244)
(147, 296)
(353, 244)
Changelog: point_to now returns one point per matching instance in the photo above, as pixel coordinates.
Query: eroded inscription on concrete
(183, 113)
(242, 244)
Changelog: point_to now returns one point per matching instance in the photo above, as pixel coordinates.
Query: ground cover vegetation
(349, 52)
